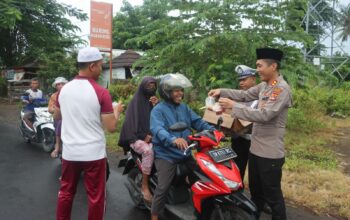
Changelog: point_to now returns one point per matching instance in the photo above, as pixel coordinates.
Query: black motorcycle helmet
(172, 81)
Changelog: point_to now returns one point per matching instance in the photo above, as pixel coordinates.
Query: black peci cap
(269, 53)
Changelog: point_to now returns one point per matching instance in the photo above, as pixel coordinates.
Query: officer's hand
(181, 143)
(214, 92)
(226, 103)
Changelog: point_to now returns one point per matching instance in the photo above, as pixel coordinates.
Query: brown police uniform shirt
(270, 118)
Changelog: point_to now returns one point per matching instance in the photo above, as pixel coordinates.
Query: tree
(126, 25)
(136, 21)
(42, 28)
(344, 28)
(209, 38)
(57, 64)
(9, 13)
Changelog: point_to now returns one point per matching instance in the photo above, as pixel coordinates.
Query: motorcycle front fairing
(43, 119)
(223, 179)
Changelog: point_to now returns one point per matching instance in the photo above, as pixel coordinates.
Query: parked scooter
(218, 192)
(42, 129)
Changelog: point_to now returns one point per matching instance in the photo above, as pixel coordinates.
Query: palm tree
(344, 28)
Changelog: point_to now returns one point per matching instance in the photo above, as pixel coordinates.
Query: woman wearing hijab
(135, 132)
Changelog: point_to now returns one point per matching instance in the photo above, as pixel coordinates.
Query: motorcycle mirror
(178, 127)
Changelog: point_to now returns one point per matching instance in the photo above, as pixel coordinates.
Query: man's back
(81, 102)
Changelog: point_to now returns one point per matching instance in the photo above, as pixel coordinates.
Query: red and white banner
(101, 25)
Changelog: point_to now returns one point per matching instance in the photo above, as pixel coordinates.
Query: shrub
(335, 101)
(306, 112)
(3, 86)
(122, 91)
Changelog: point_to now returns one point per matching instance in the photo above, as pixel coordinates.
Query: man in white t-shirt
(85, 108)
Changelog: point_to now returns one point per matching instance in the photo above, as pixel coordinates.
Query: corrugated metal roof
(126, 59)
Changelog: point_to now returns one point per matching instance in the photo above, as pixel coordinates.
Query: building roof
(126, 59)
(32, 65)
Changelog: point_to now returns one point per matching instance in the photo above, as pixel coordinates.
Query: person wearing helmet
(169, 145)
(57, 84)
(241, 141)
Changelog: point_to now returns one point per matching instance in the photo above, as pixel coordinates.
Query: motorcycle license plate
(222, 154)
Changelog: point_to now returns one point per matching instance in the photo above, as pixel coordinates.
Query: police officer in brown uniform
(267, 146)
(241, 141)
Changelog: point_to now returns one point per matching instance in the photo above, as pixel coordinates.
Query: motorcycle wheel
(48, 140)
(134, 187)
(229, 213)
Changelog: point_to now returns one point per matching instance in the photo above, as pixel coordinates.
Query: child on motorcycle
(57, 84)
(32, 94)
(169, 145)
(136, 133)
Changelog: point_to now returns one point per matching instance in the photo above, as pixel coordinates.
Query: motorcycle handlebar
(190, 147)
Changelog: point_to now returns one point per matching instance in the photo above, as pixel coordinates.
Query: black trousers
(165, 173)
(241, 146)
(265, 184)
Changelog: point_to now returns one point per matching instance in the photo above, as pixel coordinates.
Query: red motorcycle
(218, 191)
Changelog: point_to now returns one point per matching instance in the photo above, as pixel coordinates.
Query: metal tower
(314, 17)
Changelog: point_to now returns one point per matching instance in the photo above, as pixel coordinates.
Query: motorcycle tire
(48, 140)
(229, 213)
(134, 187)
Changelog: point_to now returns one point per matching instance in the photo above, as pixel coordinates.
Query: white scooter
(42, 129)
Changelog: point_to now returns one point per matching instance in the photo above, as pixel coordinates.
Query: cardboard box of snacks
(230, 125)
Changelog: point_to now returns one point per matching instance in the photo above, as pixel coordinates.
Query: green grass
(309, 151)
(113, 138)
(112, 141)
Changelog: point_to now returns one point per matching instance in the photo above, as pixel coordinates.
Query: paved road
(29, 183)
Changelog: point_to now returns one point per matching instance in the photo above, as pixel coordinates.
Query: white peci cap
(89, 54)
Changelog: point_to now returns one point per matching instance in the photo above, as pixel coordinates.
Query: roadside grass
(324, 191)
(113, 138)
(312, 177)
(112, 142)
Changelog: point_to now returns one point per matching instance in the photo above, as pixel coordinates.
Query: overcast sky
(85, 6)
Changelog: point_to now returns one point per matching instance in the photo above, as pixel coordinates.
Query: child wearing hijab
(135, 132)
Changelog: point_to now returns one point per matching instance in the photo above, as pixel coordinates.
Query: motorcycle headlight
(229, 183)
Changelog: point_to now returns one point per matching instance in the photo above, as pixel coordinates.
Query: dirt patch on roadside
(341, 146)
